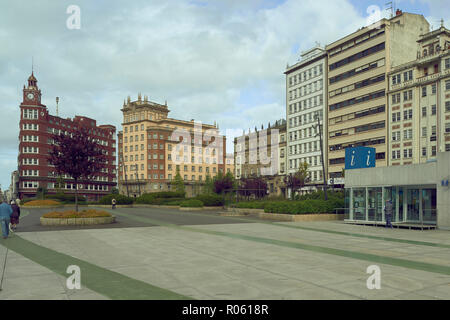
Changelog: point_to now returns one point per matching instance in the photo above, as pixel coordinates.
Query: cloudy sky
(216, 60)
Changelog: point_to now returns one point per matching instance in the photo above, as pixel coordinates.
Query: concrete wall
(415, 174)
(443, 193)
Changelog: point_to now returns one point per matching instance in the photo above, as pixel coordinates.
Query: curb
(76, 221)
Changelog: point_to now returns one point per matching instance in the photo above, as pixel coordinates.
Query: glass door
(429, 206)
(359, 204)
(375, 205)
(413, 205)
(400, 204)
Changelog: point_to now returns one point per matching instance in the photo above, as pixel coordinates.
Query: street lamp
(126, 182)
(137, 177)
(319, 133)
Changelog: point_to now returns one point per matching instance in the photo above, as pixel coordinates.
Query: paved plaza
(153, 253)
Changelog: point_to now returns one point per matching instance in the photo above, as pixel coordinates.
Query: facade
(229, 163)
(420, 193)
(251, 148)
(14, 186)
(306, 99)
(36, 129)
(419, 102)
(150, 152)
(358, 67)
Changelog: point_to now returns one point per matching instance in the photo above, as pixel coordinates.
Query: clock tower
(31, 93)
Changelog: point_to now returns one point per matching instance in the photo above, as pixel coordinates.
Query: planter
(190, 208)
(76, 221)
(301, 217)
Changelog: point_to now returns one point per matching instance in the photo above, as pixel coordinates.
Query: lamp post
(126, 182)
(137, 177)
(321, 155)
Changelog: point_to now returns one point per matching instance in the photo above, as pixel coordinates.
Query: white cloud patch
(200, 56)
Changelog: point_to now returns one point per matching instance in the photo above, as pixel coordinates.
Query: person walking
(388, 213)
(15, 215)
(113, 202)
(5, 216)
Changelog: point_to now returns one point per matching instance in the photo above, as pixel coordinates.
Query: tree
(253, 186)
(208, 187)
(178, 182)
(77, 155)
(297, 180)
(223, 183)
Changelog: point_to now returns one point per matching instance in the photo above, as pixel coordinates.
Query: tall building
(149, 158)
(358, 65)
(306, 99)
(251, 150)
(36, 129)
(419, 102)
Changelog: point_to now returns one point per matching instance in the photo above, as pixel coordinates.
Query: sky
(217, 60)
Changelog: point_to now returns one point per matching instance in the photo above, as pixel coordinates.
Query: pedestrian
(5, 217)
(15, 215)
(388, 213)
(113, 201)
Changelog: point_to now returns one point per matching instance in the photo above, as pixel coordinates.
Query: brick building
(36, 129)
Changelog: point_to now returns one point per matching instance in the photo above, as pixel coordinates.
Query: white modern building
(306, 98)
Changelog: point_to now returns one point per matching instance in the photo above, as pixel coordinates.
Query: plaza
(155, 253)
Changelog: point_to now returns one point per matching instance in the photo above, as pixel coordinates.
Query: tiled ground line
(103, 281)
(410, 264)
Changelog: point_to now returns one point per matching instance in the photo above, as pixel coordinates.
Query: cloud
(202, 57)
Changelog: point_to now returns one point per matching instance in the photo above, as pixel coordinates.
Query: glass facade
(414, 204)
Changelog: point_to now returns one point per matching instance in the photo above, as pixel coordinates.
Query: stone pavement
(167, 259)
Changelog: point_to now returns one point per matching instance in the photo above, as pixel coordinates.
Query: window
(447, 85)
(407, 134)
(407, 95)
(433, 110)
(407, 153)
(396, 79)
(424, 151)
(447, 147)
(424, 131)
(447, 106)
(433, 151)
(396, 98)
(447, 127)
(396, 136)
(407, 76)
(395, 154)
(424, 91)
(433, 89)
(407, 114)
(424, 111)
(447, 63)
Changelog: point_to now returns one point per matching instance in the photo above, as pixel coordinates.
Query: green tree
(296, 181)
(208, 187)
(178, 182)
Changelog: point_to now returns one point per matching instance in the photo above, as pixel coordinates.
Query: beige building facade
(358, 65)
(419, 102)
(154, 147)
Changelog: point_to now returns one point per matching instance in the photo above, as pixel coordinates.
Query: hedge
(252, 204)
(66, 198)
(120, 199)
(73, 214)
(38, 203)
(305, 206)
(210, 200)
(192, 203)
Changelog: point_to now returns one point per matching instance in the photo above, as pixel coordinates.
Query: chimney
(398, 12)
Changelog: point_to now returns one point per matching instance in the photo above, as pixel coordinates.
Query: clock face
(30, 96)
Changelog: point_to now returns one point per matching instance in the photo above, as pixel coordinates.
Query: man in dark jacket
(388, 213)
(15, 215)
(5, 216)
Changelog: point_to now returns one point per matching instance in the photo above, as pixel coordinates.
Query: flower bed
(70, 217)
(90, 213)
(38, 203)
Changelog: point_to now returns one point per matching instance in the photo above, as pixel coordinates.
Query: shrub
(305, 206)
(192, 203)
(210, 200)
(120, 199)
(251, 204)
(42, 203)
(67, 198)
(73, 214)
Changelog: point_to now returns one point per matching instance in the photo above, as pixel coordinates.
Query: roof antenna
(57, 100)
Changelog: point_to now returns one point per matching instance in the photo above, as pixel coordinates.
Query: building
(306, 99)
(150, 152)
(14, 186)
(254, 156)
(36, 129)
(420, 193)
(229, 163)
(358, 67)
(419, 102)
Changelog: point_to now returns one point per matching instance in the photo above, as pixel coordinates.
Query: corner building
(358, 65)
(37, 127)
(146, 148)
(419, 102)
